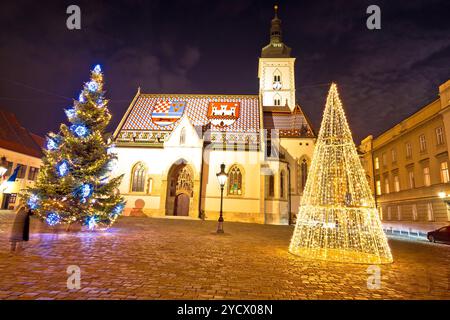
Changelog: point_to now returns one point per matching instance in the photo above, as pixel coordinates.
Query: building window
(411, 179)
(235, 181)
(377, 163)
(12, 198)
(386, 185)
(426, 176)
(183, 136)
(440, 136)
(9, 168)
(282, 182)
(276, 78)
(444, 172)
(394, 155)
(430, 213)
(271, 188)
(21, 172)
(378, 184)
(414, 212)
(32, 173)
(138, 175)
(150, 185)
(389, 213)
(408, 150)
(422, 143)
(396, 184)
(277, 102)
(399, 213)
(303, 174)
(384, 157)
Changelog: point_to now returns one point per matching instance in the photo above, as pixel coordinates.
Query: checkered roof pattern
(140, 117)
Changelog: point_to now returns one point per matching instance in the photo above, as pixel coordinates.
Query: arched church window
(235, 181)
(277, 100)
(183, 136)
(303, 174)
(138, 175)
(282, 182)
(271, 186)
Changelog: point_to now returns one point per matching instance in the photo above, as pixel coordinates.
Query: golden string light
(337, 218)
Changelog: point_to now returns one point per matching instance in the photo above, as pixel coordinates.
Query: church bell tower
(276, 70)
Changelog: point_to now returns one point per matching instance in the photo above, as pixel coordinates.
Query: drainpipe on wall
(289, 194)
(373, 173)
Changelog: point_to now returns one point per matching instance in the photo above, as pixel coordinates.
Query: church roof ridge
(196, 95)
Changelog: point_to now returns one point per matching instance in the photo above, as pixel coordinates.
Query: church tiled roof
(289, 123)
(141, 117)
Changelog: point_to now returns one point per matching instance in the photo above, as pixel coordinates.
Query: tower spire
(275, 28)
(276, 47)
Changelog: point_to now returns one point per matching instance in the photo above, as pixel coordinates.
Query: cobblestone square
(145, 258)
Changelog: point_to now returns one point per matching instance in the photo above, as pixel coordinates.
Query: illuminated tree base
(339, 255)
(341, 234)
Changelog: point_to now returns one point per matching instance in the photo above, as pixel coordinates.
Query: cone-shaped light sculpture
(337, 219)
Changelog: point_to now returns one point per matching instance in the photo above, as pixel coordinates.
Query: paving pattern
(144, 258)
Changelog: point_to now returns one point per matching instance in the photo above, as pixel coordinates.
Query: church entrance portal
(180, 185)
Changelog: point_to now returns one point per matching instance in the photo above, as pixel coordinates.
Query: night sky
(211, 46)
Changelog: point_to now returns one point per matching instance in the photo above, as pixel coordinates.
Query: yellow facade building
(170, 147)
(20, 148)
(408, 165)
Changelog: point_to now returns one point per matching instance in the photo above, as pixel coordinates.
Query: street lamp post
(222, 177)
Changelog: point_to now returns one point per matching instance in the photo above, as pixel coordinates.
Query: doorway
(181, 205)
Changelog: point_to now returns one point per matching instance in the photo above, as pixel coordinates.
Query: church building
(171, 146)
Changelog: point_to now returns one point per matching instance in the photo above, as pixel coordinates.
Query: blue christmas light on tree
(84, 191)
(52, 144)
(97, 69)
(81, 97)
(92, 222)
(33, 202)
(53, 219)
(92, 86)
(70, 113)
(117, 210)
(62, 168)
(80, 130)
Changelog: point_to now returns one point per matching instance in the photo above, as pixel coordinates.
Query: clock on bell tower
(276, 70)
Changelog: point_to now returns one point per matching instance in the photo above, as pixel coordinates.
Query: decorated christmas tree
(74, 184)
(337, 218)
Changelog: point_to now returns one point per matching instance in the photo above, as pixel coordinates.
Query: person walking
(21, 228)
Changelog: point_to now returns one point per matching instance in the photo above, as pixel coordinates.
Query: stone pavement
(144, 258)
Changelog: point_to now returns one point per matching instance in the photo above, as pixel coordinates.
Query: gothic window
(235, 181)
(277, 100)
(302, 174)
(183, 136)
(277, 76)
(282, 186)
(138, 176)
(270, 186)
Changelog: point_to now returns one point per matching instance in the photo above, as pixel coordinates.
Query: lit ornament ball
(33, 202)
(92, 86)
(97, 69)
(51, 144)
(80, 130)
(117, 209)
(86, 190)
(52, 219)
(70, 113)
(92, 222)
(81, 98)
(62, 168)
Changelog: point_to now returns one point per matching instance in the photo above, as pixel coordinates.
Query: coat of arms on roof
(167, 112)
(223, 113)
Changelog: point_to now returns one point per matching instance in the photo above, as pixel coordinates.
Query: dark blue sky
(212, 46)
